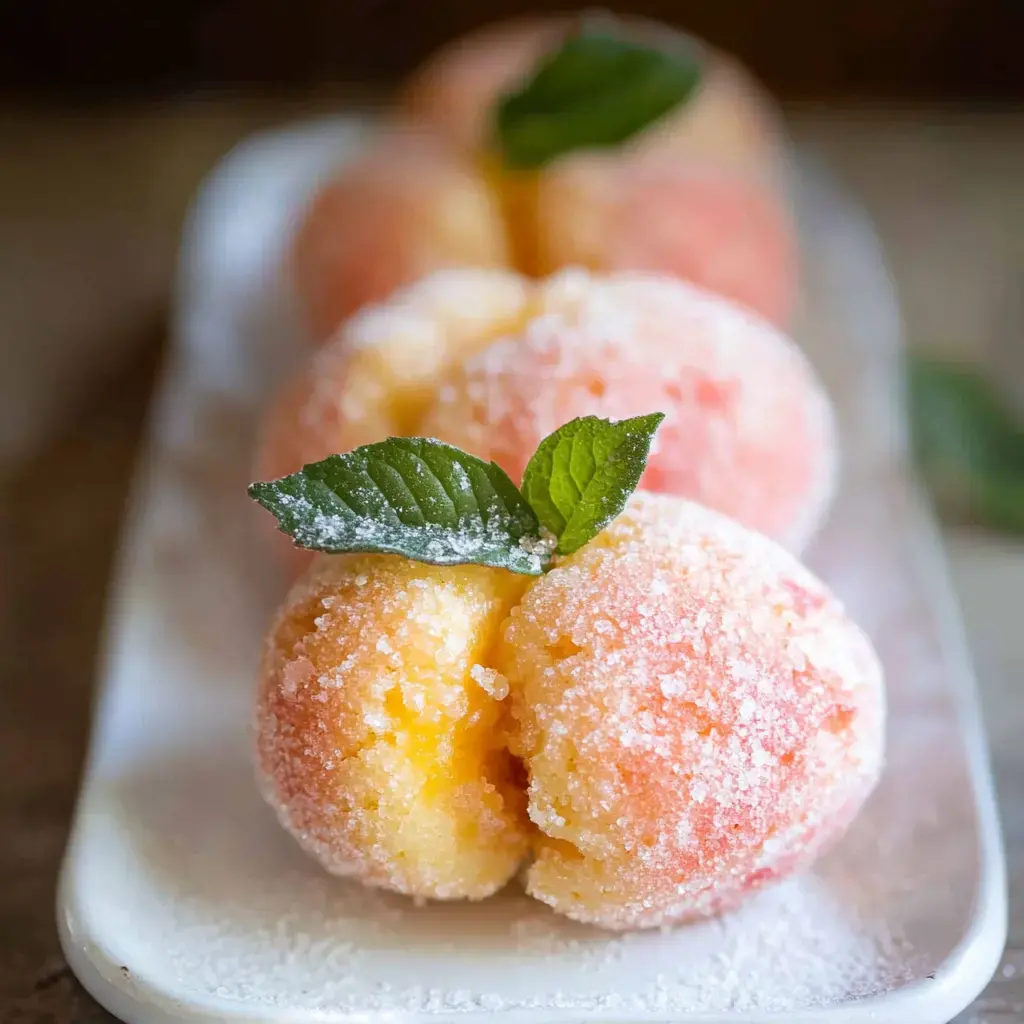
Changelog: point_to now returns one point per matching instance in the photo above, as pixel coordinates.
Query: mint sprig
(582, 475)
(597, 90)
(434, 503)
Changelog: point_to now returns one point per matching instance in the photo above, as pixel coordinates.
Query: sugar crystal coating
(492, 362)
(697, 714)
(377, 745)
(748, 428)
(684, 710)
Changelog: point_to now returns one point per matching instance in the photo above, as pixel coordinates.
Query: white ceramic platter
(182, 900)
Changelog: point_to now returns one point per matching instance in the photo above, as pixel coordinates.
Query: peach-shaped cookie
(379, 737)
(696, 713)
(407, 207)
(748, 427)
(697, 193)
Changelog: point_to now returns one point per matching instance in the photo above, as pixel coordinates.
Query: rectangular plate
(182, 900)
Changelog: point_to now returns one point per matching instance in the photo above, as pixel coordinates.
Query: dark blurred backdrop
(832, 49)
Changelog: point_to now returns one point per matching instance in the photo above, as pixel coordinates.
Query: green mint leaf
(595, 91)
(409, 496)
(582, 475)
(968, 443)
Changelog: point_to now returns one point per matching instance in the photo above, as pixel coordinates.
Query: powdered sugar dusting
(315, 944)
(475, 539)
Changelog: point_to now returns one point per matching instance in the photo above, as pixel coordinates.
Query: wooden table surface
(93, 207)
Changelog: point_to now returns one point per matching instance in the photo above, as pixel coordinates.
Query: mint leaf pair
(434, 503)
(597, 90)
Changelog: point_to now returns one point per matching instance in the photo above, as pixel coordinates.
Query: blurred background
(111, 115)
(922, 49)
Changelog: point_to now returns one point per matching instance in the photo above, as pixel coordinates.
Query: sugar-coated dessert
(407, 207)
(379, 740)
(491, 362)
(684, 712)
(696, 193)
(748, 427)
(697, 714)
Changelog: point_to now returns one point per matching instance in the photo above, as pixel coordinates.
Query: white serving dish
(182, 900)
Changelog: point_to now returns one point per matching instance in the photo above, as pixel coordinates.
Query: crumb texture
(379, 736)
